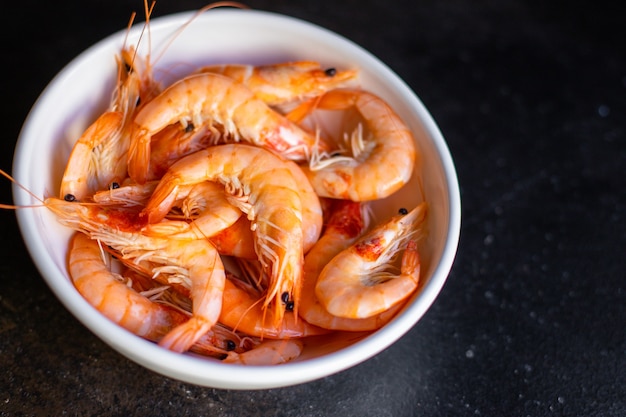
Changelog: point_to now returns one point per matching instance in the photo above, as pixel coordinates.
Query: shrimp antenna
(12, 206)
(210, 6)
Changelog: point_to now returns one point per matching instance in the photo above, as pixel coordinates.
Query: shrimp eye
(230, 345)
(403, 211)
(284, 297)
(138, 102)
(115, 185)
(289, 306)
(189, 128)
(331, 72)
(69, 197)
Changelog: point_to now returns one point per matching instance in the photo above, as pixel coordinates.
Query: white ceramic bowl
(82, 89)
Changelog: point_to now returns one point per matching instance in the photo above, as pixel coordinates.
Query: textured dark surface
(531, 97)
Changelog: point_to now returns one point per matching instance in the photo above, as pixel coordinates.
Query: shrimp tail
(183, 337)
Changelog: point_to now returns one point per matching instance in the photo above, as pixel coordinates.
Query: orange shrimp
(266, 191)
(285, 82)
(380, 164)
(212, 99)
(113, 298)
(243, 311)
(82, 176)
(195, 264)
(345, 225)
(357, 283)
(268, 352)
(99, 156)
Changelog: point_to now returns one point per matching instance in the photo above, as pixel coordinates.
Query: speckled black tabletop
(531, 97)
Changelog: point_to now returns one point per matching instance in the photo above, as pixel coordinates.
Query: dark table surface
(531, 97)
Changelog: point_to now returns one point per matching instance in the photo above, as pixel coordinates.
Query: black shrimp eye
(115, 185)
(403, 211)
(230, 345)
(284, 297)
(138, 102)
(331, 72)
(289, 306)
(189, 128)
(69, 197)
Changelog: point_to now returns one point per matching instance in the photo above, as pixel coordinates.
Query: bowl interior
(82, 90)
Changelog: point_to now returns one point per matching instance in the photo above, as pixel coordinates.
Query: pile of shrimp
(214, 215)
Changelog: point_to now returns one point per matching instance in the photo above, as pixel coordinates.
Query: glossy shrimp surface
(382, 155)
(194, 264)
(93, 278)
(357, 283)
(348, 221)
(214, 99)
(285, 82)
(264, 188)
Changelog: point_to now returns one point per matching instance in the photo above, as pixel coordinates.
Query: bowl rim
(228, 376)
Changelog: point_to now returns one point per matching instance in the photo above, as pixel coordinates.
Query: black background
(531, 98)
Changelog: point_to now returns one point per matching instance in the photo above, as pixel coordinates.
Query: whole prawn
(285, 82)
(380, 163)
(194, 264)
(266, 191)
(213, 99)
(99, 156)
(356, 282)
(347, 222)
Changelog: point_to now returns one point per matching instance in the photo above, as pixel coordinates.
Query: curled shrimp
(264, 188)
(99, 156)
(117, 301)
(268, 352)
(383, 154)
(86, 170)
(195, 264)
(345, 225)
(357, 283)
(214, 99)
(285, 82)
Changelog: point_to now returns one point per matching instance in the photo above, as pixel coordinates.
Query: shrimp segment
(83, 174)
(345, 225)
(214, 99)
(264, 188)
(356, 283)
(121, 304)
(285, 82)
(195, 264)
(380, 164)
(269, 352)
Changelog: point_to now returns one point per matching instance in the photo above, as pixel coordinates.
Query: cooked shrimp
(208, 208)
(109, 295)
(243, 311)
(269, 352)
(266, 191)
(278, 84)
(99, 156)
(346, 223)
(357, 283)
(212, 99)
(174, 142)
(83, 176)
(380, 164)
(193, 263)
